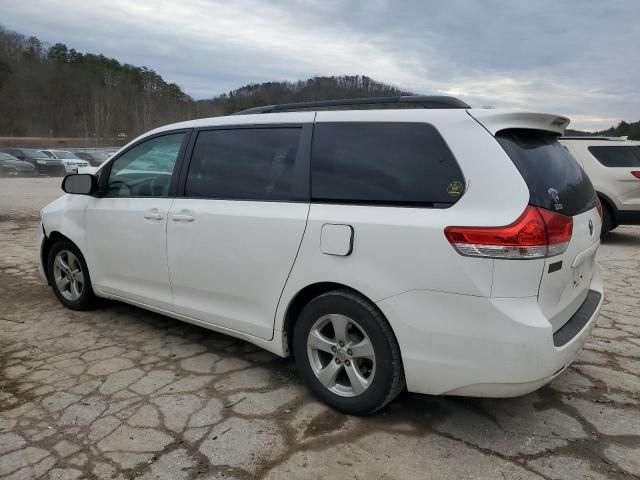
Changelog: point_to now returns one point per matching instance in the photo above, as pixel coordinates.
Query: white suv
(613, 165)
(447, 249)
(72, 163)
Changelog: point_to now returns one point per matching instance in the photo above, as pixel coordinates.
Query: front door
(126, 228)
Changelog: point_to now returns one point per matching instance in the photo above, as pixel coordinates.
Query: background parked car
(70, 160)
(43, 164)
(613, 165)
(10, 166)
(95, 159)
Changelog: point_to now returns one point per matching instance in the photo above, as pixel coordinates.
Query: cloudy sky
(574, 57)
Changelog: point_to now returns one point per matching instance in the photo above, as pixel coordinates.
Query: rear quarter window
(617, 155)
(383, 163)
(555, 179)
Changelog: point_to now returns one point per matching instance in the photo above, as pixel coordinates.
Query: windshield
(555, 180)
(64, 154)
(92, 156)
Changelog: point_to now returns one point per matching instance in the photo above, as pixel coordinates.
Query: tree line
(56, 91)
(623, 129)
(60, 92)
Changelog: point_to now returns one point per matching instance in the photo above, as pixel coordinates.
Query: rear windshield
(555, 180)
(617, 156)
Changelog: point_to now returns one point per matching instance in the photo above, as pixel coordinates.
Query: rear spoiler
(496, 120)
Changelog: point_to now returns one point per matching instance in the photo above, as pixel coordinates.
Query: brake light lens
(538, 233)
(636, 174)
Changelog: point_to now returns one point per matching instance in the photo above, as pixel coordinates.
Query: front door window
(146, 169)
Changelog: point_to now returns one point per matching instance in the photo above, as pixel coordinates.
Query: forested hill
(57, 91)
(60, 92)
(317, 88)
(631, 130)
(53, 90)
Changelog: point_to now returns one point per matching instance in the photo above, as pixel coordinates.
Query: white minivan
(442, 248)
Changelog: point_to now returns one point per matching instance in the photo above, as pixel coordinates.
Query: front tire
(69, 276)
(347, 354)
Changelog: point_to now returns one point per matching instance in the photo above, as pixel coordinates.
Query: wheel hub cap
(68, 275)
(341, 355)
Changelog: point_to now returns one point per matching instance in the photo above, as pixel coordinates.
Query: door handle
(154, 216)
(182, 217)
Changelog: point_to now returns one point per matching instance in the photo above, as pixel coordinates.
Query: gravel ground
(124, 393)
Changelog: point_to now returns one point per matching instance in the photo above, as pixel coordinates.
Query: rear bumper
(578, 320)
(74, 168)
(52, 171)
(476, 346)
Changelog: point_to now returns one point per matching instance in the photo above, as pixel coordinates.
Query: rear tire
(69, 276)
(607, 221)
(347, 354)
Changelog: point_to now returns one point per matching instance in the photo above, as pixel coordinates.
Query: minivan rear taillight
(538, 233)
(636, 174)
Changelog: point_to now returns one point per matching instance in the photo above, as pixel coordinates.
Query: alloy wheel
(68, 275)
(341, 355)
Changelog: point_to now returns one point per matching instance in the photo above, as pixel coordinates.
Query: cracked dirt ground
(123, 393)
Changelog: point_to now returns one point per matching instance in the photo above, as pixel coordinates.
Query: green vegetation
(60, 92)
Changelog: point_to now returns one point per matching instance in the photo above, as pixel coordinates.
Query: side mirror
(80, 184)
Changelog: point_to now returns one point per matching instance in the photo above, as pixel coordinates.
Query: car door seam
(295, 258)
(166, 250)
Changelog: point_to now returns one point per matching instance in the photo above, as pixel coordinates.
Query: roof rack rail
(424, 101)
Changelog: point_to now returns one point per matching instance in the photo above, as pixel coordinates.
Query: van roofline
(424, 101)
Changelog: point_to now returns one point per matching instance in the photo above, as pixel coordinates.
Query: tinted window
(63, 154)
(383, 163)
(31, 153)
(244, 164)
(617, 156)
(146, 169)
(555, 180)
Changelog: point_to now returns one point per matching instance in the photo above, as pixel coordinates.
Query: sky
(579, 58)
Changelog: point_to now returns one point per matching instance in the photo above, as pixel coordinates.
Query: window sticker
(555, 196)
(455, 188)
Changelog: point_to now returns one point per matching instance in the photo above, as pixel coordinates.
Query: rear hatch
(557, 183)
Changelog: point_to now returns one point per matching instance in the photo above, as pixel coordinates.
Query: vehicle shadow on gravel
(621, 238)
